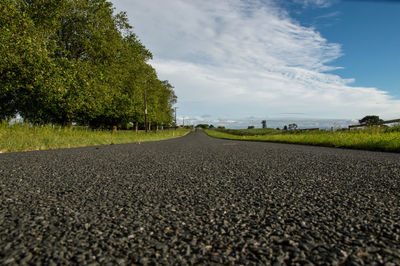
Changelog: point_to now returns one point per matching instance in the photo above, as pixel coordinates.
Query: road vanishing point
(200, 200)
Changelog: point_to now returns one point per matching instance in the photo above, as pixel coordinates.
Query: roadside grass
(249, 132)
(376, 139)
(19, 137)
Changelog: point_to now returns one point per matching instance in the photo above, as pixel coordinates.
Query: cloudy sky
(238, 61)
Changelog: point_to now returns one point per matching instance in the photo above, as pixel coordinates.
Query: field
(21, 137)
(378, 139)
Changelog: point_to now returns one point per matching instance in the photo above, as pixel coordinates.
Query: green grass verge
(24, 138)
(370, 139)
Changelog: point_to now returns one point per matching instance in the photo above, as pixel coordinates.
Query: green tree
(24, 63)
(69, 61)
(264, 123)
(370, 120)
(205, 126)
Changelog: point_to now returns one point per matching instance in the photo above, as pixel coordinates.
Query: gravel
(200, 200)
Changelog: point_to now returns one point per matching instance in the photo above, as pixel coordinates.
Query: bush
(204, 126)
(370, 120)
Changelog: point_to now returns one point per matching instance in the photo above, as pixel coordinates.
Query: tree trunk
(68, 123)
(157, 127)
(114, 128)
(137, 127)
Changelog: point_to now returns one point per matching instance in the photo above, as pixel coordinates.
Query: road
(200, 200)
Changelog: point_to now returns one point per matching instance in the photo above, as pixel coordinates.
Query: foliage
(264, 123)
(69, 61)
(24, 59)
(247, 132)
(370, 120)
(394, 128)
(292, 126)
(204, 126)
(250, 127)
(372, 138)
(22, 137)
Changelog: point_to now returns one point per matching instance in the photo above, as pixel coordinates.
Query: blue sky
(234, 62)
(369, 33)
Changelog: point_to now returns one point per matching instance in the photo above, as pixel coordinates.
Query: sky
(318, 63)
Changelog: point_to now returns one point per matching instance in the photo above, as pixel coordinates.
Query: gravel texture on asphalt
(197, 199)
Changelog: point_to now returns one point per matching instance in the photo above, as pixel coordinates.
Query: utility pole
(176, 125)
(145, 107)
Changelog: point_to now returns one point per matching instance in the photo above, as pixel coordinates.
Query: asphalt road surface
(200, 200)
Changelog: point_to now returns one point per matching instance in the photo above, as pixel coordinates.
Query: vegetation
(204, 126)
(247, 132)
(264, 123)
(372, 138)
(370, 120)
(292, 126)
(65, 62)
(20, 137)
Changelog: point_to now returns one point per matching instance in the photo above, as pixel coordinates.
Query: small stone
(9, 261)
(121, 261)
(144, 261)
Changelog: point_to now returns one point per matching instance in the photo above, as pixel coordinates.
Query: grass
(377, 139)
(19, 137)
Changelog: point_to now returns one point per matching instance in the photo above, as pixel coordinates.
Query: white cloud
(233, 58)
(317, 3)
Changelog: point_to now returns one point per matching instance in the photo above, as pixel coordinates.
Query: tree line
(76, 61)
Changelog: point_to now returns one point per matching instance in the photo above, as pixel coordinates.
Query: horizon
(302, 123)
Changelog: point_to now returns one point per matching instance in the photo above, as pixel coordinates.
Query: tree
(24, 63)
(264, 123)
(292, 126)
(370, 120)
(204, 126)
(250, 127)
(285, 127)
(66, 61)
